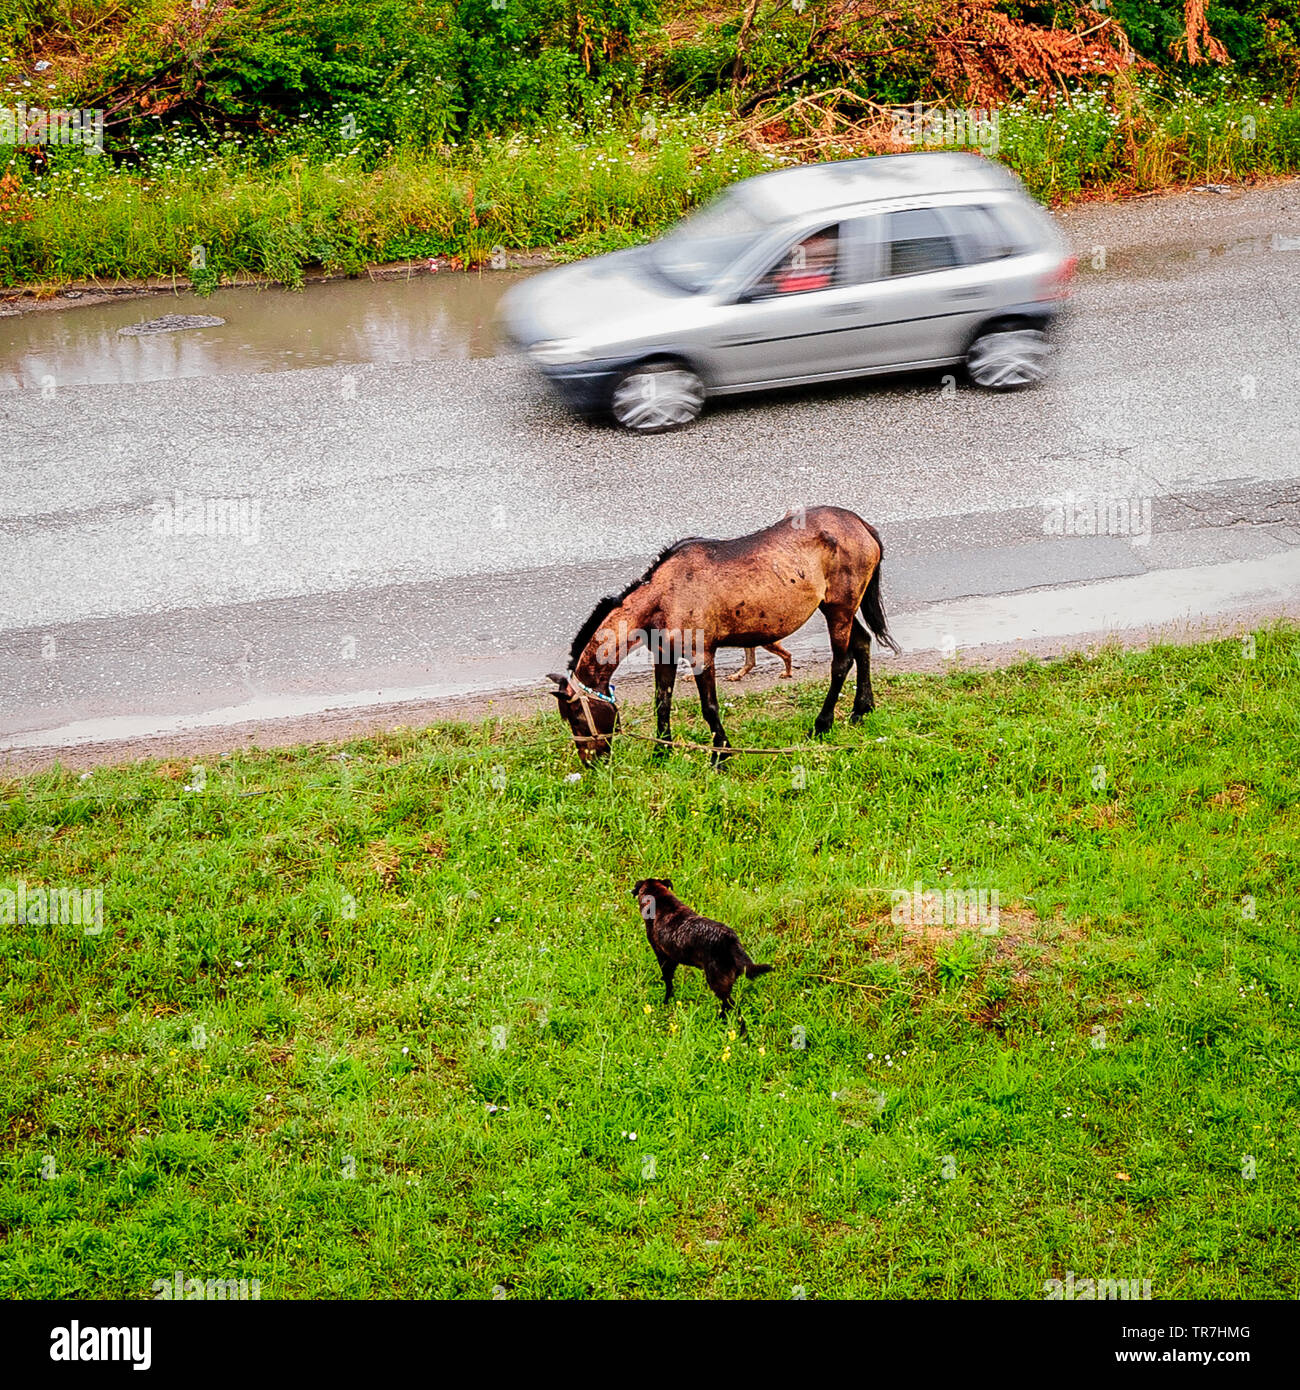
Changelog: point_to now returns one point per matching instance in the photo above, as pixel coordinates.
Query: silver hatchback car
(809, 274)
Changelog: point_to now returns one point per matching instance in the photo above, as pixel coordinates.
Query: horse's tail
(872, 609)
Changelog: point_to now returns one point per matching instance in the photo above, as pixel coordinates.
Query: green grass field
(384, 1022)
(208, 210)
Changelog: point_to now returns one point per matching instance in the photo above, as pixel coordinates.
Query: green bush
(1256, 33)
(419, 71)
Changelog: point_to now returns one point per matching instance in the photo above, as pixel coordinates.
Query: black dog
(682, 937)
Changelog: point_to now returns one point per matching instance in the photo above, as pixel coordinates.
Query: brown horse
(700, 595)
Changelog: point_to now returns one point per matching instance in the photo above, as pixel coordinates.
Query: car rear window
(1018, 225)
(917, 242)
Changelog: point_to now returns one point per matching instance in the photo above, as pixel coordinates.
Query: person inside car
(811, 265)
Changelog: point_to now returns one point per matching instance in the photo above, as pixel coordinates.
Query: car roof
(838, 183)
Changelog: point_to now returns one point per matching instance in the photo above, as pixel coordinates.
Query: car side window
(980, 236)
(917, 241)
(813, 263)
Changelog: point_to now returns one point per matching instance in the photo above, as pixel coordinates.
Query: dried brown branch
(1198, 44)
(974, 51)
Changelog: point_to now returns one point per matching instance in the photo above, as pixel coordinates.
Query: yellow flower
(762, 1052)
(648, 1009)
(731, 1036)
(726, 1054)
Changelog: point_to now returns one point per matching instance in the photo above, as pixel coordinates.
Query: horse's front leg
(665, 676)
(840, 626)
(707, 686)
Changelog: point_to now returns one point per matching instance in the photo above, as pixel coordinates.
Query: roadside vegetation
(266, 137)
(382, 1020)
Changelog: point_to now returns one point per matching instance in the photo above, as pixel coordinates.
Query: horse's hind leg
(864, 701)
(707, 686)
(840, 624)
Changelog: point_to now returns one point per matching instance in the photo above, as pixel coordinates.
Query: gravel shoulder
(635, 694)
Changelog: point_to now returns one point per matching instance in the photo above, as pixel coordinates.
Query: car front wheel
(1009, 359)
(656, 397)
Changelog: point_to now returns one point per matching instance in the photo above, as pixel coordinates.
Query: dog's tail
(743, 963)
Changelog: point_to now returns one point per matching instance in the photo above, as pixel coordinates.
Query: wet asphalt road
(443, 524)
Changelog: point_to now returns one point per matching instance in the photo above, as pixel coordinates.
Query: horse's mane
(610, 602)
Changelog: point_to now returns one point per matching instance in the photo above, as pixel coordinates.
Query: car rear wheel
(1009, 359)
(656, 397)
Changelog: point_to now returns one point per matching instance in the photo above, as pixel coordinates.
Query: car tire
(656, 397)
(1009, 359)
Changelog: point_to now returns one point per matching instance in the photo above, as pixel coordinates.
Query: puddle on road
(1175, 258)
(446, 317)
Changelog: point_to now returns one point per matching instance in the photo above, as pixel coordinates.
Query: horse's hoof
(818, 732)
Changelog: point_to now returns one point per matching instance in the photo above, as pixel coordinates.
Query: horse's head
(590, 714)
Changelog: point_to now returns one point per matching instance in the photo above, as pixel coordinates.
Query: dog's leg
(666, 969)
(721, 978)
(778, 650)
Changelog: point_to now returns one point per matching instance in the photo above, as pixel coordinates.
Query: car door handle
(843, 310)
(966, 294)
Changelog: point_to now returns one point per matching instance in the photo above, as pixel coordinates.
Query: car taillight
(1056, 284)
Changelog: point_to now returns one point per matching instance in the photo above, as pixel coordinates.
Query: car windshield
(698, 251)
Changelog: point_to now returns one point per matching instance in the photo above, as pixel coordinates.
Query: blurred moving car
(816, 273)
